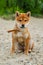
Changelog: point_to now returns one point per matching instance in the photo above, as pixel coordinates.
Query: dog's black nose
(22, 25)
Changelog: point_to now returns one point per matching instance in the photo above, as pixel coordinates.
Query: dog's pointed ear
(28, 13)
(17, 13)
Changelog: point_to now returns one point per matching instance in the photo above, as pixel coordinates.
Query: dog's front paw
(29, 50)
(26, 52)
(12, 51)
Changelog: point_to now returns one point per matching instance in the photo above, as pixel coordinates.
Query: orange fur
(22, 35)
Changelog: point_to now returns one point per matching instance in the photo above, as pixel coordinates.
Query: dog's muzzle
(22, 26)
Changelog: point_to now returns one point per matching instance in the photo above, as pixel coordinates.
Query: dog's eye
(25, 20)
(20, 20)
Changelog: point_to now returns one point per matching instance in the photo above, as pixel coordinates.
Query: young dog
(21, 33)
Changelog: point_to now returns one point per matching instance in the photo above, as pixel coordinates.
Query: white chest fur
(21, 34)
(26, 35)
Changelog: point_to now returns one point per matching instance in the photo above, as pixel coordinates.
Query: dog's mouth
(22, 27)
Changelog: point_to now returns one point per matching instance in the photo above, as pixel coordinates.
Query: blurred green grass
(9, 7)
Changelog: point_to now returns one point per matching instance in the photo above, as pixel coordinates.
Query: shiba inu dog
(21, 33)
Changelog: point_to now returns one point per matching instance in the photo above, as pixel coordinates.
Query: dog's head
(22, 19)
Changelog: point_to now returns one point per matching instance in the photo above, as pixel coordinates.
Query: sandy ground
(33, 58)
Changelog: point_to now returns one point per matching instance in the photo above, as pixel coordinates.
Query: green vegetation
(8, 7)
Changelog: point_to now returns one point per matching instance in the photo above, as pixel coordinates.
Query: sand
(33, 58)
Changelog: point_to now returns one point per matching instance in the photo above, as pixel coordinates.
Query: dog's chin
(22, 27)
